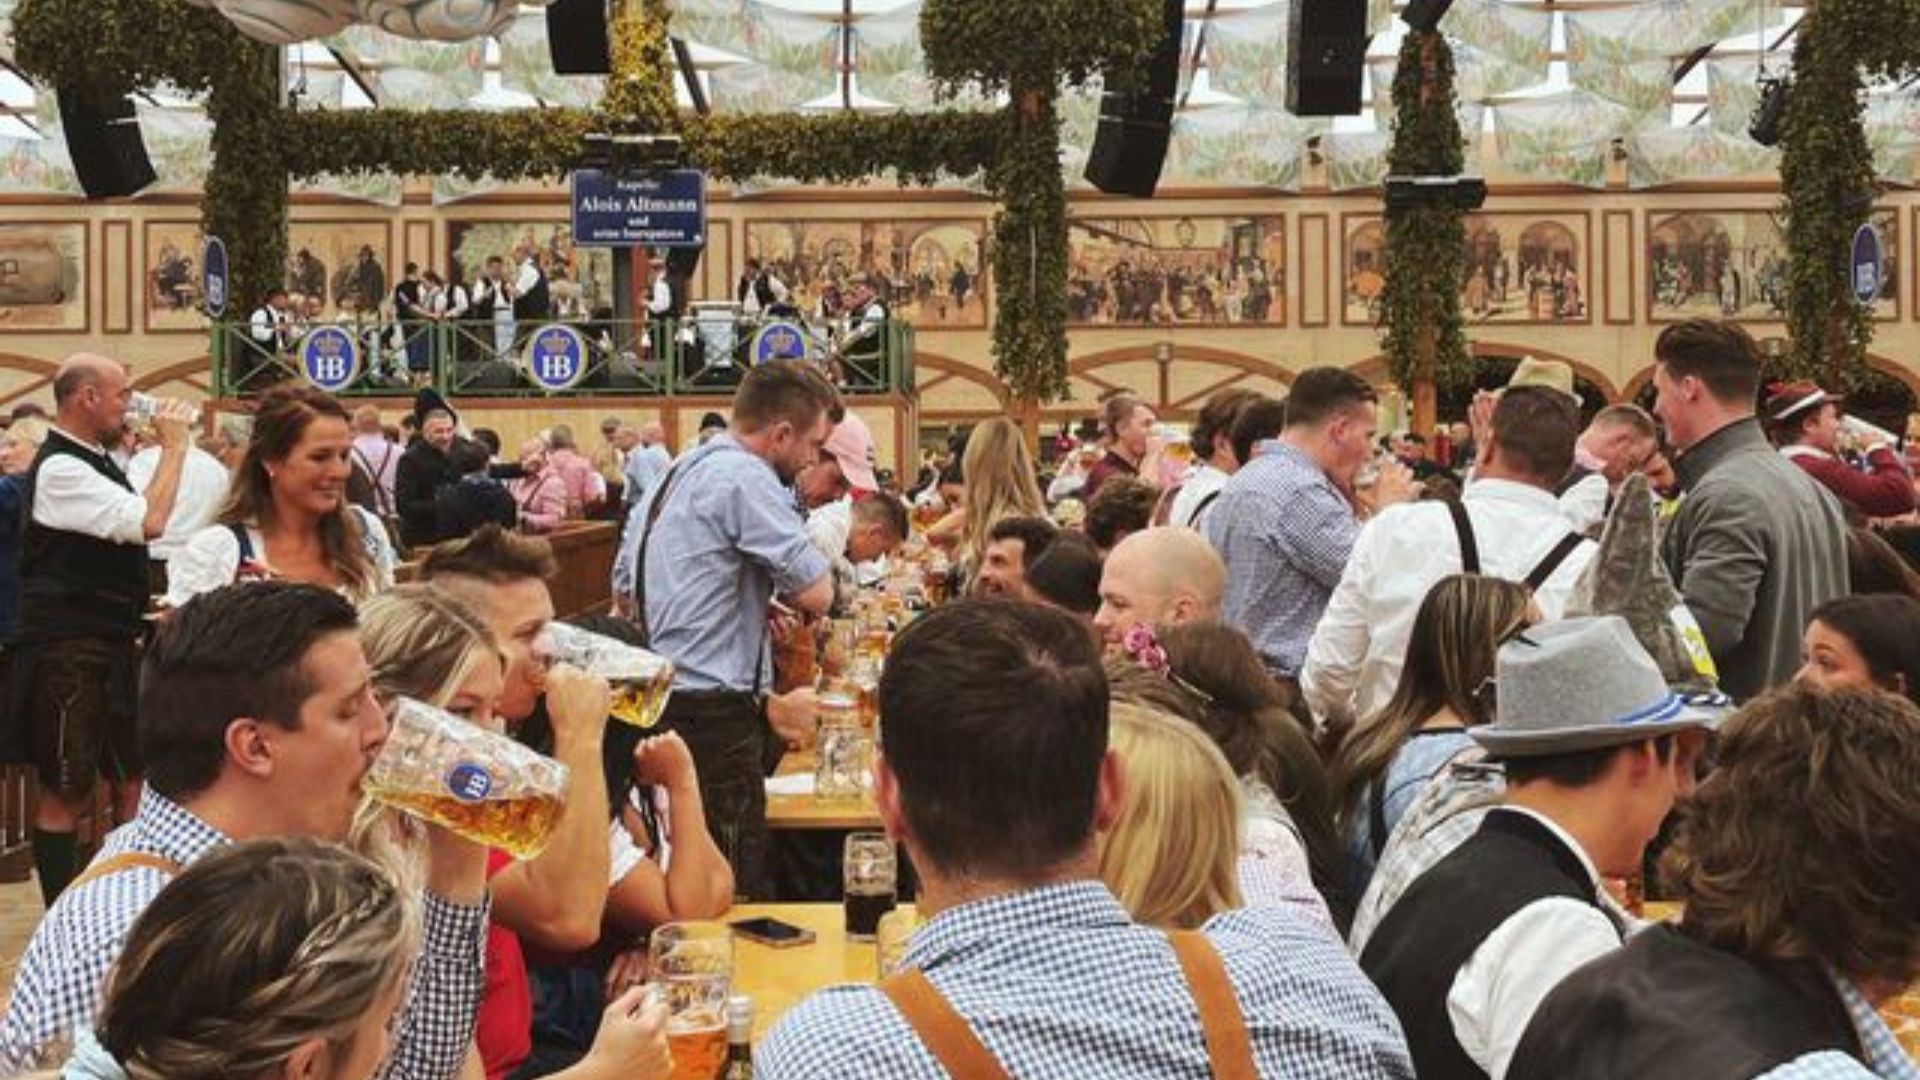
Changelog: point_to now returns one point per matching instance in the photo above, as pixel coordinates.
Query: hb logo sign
(556, 357)
(330, 358)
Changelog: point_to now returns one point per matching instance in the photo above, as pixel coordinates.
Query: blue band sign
(778, 341)
(330, 358)
(213, 277)
(556, 357)
(666, 210)
(1869, 264)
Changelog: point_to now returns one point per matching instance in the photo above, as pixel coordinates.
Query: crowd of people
(1561, 747)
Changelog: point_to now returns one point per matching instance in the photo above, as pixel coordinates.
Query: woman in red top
(1804, 421)
(424, 644)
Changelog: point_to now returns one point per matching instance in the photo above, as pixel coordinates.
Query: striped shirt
(62, 975)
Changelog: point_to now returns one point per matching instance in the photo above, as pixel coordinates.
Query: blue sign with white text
(778, 341)
(330, 358)
(662, 211)
(1869, 264)
(213, 276)
(556, 357)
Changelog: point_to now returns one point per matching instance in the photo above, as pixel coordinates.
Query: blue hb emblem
(330, 358)
(556, 357)
(778, 341)
(469, 782)
(213, 275)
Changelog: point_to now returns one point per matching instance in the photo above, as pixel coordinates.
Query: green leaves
(1426, 245)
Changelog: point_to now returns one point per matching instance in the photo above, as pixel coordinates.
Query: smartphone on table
(772, 932)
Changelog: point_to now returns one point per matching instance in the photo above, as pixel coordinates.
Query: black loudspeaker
(577, 37)
(1326, 57)
(683, 261)
(1130, 145)
(109, 156)
(1424, 15)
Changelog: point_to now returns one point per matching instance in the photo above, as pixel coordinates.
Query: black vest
(535, 303)
(71, 585)
(1669, 1008)
(1442, 919)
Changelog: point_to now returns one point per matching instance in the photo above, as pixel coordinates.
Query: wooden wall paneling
(1316, 269)
(421, 237)
(120, 279)
(1619, 268)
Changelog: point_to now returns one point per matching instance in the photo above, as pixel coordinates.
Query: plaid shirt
(1885, 1059)
(1446, 812)
(1285, 533)
(61, 977)
(1060, 981)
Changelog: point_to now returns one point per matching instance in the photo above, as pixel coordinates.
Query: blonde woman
(998, 483)
(273, 958)
(424, 644)
(1171, 856)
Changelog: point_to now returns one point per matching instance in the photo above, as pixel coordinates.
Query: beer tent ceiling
(1556, 87)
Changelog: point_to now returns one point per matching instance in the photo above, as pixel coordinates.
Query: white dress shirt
(830, 525)
(529, 276)
(1200, 485)
(203, 490)
(1496, 991)
(1354, 659)
(71, 496)
(1585, 503)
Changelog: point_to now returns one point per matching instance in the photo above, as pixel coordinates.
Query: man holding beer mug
(259, 720)
(83, 598)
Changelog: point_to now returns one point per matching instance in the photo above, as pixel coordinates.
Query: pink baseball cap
(851, 444)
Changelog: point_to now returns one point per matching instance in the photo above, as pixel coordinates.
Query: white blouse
(211, 558)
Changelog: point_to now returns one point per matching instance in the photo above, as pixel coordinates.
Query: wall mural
(1732, 264)
(43, 277)
(1176, 271)
(579, 279)
(1521, 269)
(339, 268)
(172, 277)
(931, 270)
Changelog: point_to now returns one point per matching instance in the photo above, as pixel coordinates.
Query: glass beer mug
(477, 783)
(844, 750)
(640, 681)
(693, 963)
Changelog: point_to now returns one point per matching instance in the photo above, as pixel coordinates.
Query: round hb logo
(213, 272)
(556, 357)
(330, 358)
(779, 341)
(469, 782)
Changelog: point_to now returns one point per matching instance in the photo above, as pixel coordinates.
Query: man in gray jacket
(1756, 545)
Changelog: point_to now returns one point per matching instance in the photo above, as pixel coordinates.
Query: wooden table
(812, 812)
(779, 979)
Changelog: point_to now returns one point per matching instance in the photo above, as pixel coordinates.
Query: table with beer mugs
(779, 978)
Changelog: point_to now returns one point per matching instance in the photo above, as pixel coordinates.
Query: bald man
(1161, 577)
(83, 598)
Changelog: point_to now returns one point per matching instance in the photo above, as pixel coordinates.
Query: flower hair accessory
(1144, 649)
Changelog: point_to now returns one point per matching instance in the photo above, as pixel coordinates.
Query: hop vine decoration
(1426, 245)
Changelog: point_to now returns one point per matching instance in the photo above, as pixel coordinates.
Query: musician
(271, 326)
(492, 304)
(866, 338)
(532, 299)
(759, 292)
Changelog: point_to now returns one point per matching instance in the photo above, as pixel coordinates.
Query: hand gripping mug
(641, 681)
(477, 783)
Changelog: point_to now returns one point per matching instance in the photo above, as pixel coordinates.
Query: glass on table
(477, 783)
(692, 962)
(843, 750)
(870, 881)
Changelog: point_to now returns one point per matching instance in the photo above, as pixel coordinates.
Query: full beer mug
(477, 783)
(641, 681)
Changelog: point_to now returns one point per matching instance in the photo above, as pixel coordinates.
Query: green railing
(473, 358)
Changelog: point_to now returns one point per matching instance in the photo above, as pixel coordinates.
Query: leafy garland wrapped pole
(1425, 343)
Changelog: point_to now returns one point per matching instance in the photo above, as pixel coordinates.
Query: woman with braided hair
(273, 958)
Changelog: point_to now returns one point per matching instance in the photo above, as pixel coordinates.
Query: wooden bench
(585, 551)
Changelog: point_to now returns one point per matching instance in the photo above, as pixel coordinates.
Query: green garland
(1426, 245)
(112, 47)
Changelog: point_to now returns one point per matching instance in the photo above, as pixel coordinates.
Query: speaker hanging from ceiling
(1130, 144)
(103, 139)
(577, 37)
(1326, 57)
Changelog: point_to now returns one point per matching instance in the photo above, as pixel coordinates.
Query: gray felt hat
(1582, 684)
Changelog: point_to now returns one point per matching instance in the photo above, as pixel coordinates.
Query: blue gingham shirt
(1285, 532)
(1060, 981)
(1885, 1060)
(61, 976)
(727, 539)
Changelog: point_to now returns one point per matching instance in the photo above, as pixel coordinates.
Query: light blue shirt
(1420, 759)
(726, 541)
(643, 469)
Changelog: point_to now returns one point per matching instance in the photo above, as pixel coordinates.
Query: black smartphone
(773, 932)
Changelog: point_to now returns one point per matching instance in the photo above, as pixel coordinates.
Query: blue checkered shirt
(59, 984)
(1885, 1060)
(1285, 532)
(1061, 982)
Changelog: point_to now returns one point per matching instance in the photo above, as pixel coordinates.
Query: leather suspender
(126, 860)
(1470, 549)
(952, 1042)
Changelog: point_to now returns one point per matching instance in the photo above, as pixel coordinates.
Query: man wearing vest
(1597, 750)
(83, 598)
(1507, 525)
(998, 780)
(1799, 865)
(532, 298)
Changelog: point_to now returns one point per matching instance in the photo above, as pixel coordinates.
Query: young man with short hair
(1618, 442)
(997, 778)
(257, 719)
(424, 469)
(1597, 750)
(1756, 544)
(1013, 545)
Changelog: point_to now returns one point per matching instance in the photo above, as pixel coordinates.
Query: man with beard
(719, 540)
